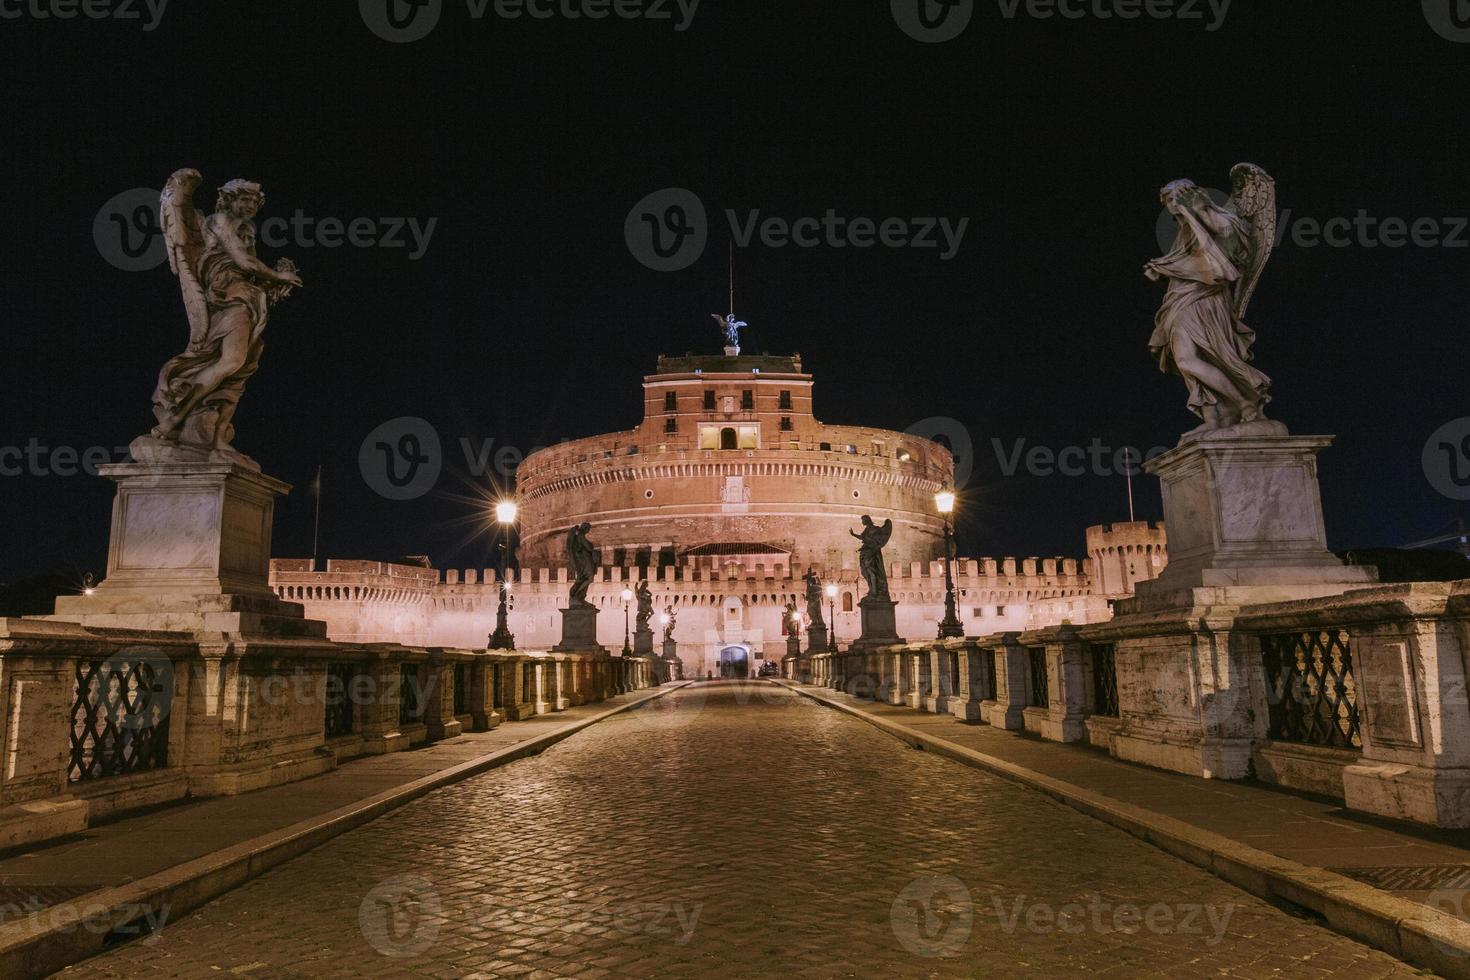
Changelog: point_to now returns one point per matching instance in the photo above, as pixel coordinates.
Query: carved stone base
(816, 638)
(190, 550)
(643, 642)
(1244, 512)
(579, 630)
(880, 624)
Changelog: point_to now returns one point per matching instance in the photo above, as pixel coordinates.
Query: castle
(721, 499)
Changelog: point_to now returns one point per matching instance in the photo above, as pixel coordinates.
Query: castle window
(852, 450)
(1000, 610)
(671, 424)
(785, 423)
(785, 401)
(709, 400)
(825, 447)
(671, 401)
(747, 400)
(728, 439)
(847, 602)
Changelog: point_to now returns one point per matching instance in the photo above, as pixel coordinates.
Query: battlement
(1124, 534)
(371, 580)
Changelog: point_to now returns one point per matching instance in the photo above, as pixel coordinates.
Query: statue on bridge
(1217, 260)
(228, 293)
(672, 618)
(645, 606)
(814, 598)
(582, 560)
(870, 556)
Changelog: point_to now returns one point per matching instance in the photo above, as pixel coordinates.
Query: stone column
(967, 701)
(1067, 675)
(437, 678)
(483, 713)
(1010, 684)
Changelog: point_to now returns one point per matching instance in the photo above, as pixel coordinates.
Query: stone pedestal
(1244, 514)
(793, 645)
(816, 638)
(579, 630)
(643, 642)
(880, 624)
(190, 551)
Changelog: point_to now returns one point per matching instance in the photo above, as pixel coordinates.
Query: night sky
(528, 319)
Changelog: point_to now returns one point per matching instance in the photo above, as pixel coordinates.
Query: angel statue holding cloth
(228, 293)
(1200, 332)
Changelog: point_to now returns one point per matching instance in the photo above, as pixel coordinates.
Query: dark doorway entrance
(734, 663)
(728, 440)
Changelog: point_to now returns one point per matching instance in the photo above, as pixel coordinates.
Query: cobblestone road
(728, 831)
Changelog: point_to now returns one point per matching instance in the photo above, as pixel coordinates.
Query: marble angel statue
(228, 293)
(1200, 332)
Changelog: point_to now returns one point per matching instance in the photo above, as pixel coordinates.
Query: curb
(52, 938)
(1410, 931)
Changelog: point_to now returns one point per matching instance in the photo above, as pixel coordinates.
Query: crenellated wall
(716, 607)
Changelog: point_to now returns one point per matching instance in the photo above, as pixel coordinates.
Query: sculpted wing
(1253, 195)
(887, 530)
(183, 236)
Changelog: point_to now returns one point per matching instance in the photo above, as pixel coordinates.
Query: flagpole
(317, 529)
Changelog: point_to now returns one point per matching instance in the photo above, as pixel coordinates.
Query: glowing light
(627, 595)
(832, 590)
(944, 501)
(663, 619)
(506, 511)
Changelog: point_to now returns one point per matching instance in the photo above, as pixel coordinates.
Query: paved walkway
(1312, 831)
(125, 850)
(731, 830)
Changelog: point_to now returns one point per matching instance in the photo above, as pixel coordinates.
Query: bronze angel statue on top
(1200, 332)
(228, 293)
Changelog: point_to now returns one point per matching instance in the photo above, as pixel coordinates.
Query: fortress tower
(1125, 554)
(730, 467)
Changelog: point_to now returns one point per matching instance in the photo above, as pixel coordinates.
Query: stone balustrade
(1361, 696)
(104, 721)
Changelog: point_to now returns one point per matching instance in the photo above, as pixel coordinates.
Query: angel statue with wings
(870, 556)
(731, 328)
(1200, 332)
(228, 293)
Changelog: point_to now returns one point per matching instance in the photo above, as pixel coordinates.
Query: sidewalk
(1385, 884)
(182, 856)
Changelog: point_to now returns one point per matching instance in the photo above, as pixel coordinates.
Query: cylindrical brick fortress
(730, 461)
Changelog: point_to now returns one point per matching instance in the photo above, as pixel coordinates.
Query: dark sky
(527, 319)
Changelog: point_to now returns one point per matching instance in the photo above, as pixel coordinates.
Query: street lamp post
(950, 625)
(627, 630)
(505, 518)
(831, 617)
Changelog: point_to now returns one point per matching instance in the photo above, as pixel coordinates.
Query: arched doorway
(728, 439)
(735, 662)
